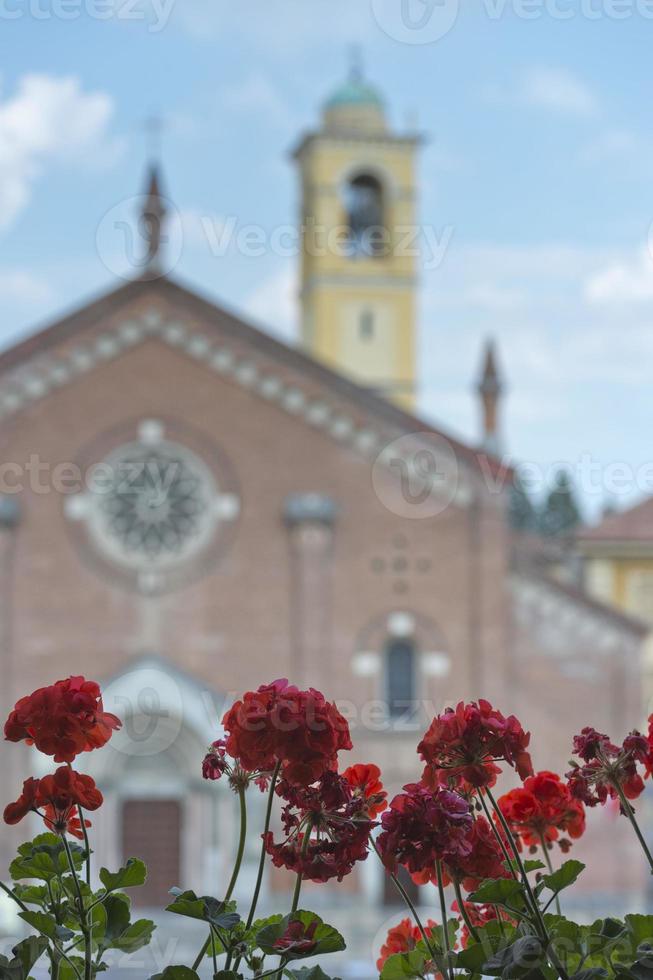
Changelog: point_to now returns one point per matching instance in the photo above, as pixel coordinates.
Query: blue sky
(538, 168)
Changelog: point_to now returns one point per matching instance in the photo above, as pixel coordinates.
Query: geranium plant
(504, 856)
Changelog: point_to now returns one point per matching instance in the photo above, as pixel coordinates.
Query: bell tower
(360, 242)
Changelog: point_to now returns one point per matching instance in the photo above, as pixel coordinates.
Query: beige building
(191, 508)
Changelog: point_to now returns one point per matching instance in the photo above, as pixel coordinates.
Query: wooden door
(151, 830)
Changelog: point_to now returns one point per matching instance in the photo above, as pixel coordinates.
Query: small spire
(153, 218)
(490, 388)
(355, 63)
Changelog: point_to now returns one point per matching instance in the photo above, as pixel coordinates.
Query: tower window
(366, 325)
(365, 217)
(400, 677)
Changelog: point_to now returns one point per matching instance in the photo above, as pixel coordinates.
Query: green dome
(355, 92)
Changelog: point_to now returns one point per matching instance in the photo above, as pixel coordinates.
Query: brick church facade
(191, 508)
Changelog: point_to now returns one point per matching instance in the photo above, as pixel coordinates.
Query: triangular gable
(234, 349)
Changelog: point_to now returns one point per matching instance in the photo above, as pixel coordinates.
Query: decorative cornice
(44, 373)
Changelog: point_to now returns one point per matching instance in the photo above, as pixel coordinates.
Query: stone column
(310, 519)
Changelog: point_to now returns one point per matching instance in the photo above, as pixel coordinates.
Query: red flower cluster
(327, 829)
(479, 916)
(423, 826)
(540, 810)
(465, 743)
(279, 723)
(484, 859)
(366, 784)
(63, 719)
(608, 769)
(402, 938)
(58, 796)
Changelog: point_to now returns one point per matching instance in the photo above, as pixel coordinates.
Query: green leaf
(596, 973)
(31, 894)
(640, 928)
(44, 858)
(565, 875)
(131, 875)
(223, 915)
(499, 891)
(135, 936)
(402, 965)
(308, 973)
(326, 938)
(176, 973)
(27, 952)
(117, 911)
(517, 960)
(47, 925)
(533, 866)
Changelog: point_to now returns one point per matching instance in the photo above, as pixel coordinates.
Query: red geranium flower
(423, 826)
(402, 938)
(466, 743)
(58, 796)
(327, 829)
(366, 784)
(541, 809)
(608, 769)
(63, 719)
(298, 938)
(484, 859)
(281, 724)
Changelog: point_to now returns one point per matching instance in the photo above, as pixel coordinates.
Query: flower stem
(16, 899)
(544, 934)
(236, 871)
(463, 911)
(630, 813)
(86, 931)
(498, 836)
(413, 911)
(445, 925)
(549, 865)
(261, 864)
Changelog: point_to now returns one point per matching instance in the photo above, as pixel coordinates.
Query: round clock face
(155, 511)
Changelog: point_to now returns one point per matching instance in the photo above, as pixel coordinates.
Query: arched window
(365, 217)
(400, 677)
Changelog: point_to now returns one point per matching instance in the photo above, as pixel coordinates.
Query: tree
(560, 514)
(522, 515)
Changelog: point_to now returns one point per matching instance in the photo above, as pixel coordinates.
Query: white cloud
(46, 120)
(21, 286)
(559, 90)
(554, 89)
(626, 281)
